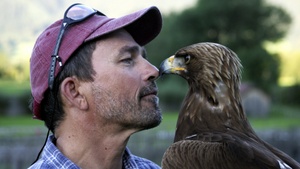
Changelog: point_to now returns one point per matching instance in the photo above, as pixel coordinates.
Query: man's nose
(152, 72)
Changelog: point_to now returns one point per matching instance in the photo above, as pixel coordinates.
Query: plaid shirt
(52, 158)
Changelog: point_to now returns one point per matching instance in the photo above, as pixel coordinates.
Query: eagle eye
(187, 59)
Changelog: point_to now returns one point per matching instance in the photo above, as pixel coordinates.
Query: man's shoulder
(145, 163)
(52, 158)
(42, 164)
(133, 161)
(36, 165)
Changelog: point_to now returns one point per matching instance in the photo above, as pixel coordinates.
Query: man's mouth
(149, 93)
(150, 90)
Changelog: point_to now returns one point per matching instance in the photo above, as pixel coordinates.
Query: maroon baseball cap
(143, 25)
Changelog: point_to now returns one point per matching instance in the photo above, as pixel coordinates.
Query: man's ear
(71, 93)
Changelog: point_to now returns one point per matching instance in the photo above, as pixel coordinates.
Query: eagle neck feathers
(205, 110)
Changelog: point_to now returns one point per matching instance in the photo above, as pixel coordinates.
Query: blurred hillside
(22, 21)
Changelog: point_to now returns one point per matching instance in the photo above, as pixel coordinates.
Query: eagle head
(209, 67)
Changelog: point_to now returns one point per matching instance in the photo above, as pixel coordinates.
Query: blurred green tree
(3, 65)
(244, 26)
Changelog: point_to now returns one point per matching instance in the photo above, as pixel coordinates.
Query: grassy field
(169, 122)
(281, 117)
(19, 121)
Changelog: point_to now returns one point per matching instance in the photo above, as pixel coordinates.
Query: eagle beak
(170, 66)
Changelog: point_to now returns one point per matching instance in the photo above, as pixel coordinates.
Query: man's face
(124, 91)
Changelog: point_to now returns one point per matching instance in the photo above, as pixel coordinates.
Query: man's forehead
(118, 34)
(116, 45)
(120, 41)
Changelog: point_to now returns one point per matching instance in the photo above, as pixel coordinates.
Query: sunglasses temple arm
(55, 56)
(59, 38)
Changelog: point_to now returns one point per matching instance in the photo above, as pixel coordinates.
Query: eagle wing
(219, 151)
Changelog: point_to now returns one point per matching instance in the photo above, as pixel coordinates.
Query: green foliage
(11, 87)
(18, 71)
(3, 64)
(288, 95)
(14, 95)
(243, 26)
(260, 67)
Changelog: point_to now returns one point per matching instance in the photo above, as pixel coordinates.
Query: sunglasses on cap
(74, 14)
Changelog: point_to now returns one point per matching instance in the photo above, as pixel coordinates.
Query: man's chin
(152, 118)
(150, 125)
(155, 120)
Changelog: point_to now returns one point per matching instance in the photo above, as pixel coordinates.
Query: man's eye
(127, 60)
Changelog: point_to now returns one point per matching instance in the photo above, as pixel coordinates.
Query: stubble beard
(131, 114)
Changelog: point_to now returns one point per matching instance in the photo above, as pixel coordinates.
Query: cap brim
(143, 25)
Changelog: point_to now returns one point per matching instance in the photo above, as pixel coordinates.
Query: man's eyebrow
(133, 49)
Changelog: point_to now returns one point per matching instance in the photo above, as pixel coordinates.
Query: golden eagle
(212, 129)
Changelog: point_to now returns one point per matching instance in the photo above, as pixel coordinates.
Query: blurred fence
(20, 146)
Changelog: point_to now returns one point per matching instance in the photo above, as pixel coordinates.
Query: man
(93, 86)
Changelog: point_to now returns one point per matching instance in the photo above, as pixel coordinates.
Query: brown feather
(212, 128)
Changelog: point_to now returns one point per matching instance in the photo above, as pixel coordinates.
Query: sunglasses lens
(79, 12)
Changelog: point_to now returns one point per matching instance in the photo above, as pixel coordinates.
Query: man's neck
(102, 148)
